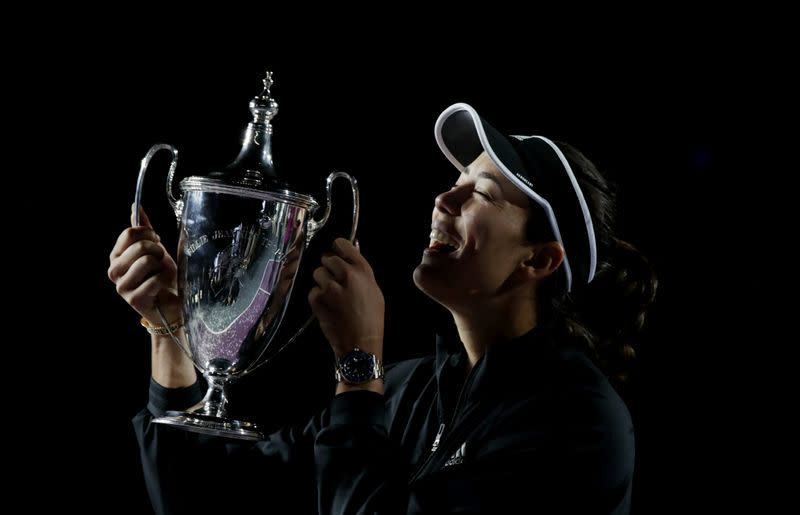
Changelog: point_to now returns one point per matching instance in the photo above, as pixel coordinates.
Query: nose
(450, 201)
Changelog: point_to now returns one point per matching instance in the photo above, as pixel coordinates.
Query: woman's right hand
(144, 273)
(146, 277)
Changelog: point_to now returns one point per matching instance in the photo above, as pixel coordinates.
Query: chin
(424, 278)
(428, 281)
(419, 277)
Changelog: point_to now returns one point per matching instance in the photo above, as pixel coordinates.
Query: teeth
(442, 238)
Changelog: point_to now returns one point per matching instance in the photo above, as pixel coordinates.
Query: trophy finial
(267, 83)
(263, 106)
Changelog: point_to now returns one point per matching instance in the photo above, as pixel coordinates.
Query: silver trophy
(242, 235)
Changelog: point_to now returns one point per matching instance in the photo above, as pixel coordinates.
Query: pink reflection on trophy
(225, 343)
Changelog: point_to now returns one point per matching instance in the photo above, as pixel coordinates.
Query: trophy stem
(210, 415)
(215, 403)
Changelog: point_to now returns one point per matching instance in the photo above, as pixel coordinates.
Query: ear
(544, 260)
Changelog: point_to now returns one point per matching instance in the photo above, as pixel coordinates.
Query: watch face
(357, 367)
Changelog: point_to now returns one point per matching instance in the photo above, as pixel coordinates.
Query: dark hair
(604, 317)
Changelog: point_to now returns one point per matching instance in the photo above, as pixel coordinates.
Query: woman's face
(477, 237)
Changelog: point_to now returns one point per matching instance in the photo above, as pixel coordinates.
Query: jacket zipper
(442, 427)
(438, 439)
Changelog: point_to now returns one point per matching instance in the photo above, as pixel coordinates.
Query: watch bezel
(358, 367)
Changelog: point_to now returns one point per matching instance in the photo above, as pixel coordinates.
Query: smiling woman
(483, 218)
(517, 410)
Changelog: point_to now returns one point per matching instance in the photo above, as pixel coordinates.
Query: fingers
(348, 252)
(143, 298)
(324, 278)
(315, 300)
(340, 267)
(130, 236)
(142, 269)
(144, 221)
(336, 266)
(121, 264)
(314, 295)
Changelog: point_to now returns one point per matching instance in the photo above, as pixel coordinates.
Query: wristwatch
(358, 367)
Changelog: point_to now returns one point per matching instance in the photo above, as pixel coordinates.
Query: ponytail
(605, 317)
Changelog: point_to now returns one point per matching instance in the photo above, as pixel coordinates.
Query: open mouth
(441, 243)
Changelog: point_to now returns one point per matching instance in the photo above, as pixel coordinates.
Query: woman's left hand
(347, 301)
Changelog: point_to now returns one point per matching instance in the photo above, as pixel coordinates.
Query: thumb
(144, 221)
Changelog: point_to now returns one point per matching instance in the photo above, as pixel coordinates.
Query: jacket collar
(506, 369)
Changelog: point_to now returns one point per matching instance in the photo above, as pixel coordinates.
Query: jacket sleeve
(359, 469)
(186, 472)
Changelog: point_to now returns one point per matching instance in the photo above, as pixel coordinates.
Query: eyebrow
(487, 175)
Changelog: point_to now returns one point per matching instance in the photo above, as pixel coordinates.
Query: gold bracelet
(161, 330)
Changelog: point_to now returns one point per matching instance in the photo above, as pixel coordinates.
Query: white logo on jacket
(458, 457)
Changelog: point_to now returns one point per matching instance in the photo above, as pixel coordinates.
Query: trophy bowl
(242, 233)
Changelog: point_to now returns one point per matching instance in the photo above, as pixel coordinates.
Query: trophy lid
(253, 168)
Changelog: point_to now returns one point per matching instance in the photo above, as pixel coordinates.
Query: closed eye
(479, 192)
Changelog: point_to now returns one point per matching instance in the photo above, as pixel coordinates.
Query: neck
(480, 327)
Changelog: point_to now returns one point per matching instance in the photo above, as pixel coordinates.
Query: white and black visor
(537, 167)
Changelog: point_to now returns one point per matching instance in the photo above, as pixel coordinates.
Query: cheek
(491, 234)
(483, 252)
(477, 232)
(496, 245)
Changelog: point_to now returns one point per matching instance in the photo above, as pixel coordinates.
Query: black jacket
(533, 428)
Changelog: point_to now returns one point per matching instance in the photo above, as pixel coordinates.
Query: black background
(674, 128)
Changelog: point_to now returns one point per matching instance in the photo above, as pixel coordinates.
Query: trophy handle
(177, 204)
(177, 207)
(315, 225)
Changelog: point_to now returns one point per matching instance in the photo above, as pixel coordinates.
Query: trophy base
(210, 425)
